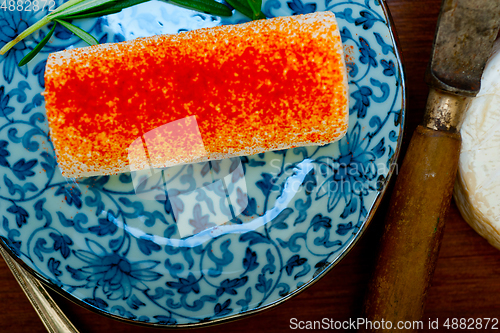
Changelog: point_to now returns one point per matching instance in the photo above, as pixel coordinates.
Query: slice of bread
(197, 96)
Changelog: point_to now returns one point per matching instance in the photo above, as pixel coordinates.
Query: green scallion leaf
(205, 6)
(27, 58)
(38, 25)
(256, 6)
(64, 6)
(89, 14)
(88, 5)
(243, 7)
(126, 3)
(85, 36)
(113, 9)
(80, 9)
(258, 16)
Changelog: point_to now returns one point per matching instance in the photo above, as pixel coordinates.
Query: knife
(409, 247)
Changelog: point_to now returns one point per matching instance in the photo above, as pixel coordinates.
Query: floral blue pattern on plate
(198, 243)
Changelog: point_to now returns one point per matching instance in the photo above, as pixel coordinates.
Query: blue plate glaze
(200, 243)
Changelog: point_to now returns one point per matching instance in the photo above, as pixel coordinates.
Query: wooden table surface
(466, 283)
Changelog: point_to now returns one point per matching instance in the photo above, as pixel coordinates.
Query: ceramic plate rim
(300, 289)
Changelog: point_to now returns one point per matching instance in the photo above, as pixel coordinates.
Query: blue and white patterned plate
(199, 243)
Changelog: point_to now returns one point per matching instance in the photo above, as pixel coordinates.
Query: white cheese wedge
(477, 188)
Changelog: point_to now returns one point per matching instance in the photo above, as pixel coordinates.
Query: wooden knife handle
(413, 229)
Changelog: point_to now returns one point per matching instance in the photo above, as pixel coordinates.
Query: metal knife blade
(465, 34)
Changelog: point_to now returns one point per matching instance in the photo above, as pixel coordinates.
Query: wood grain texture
(413, 228)
(465, 282)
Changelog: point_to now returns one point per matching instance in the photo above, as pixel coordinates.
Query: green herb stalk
(78, 9)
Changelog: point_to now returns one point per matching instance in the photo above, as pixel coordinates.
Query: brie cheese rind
(202, 95)
(477, 187)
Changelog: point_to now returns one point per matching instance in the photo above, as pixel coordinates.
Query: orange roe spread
(196, 96)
